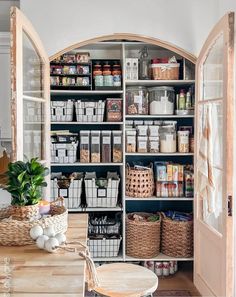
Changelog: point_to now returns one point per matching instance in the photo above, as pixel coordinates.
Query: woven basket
(168, 71)
(142, 238)
(176, 238)
(139, 182)
(24, 213)
(17, 233)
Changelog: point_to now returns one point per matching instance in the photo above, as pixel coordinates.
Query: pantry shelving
(149, 83)
(134, 117)
(86, 92)
(95, 209)
(159, 154)
(87, 123)
(154, 198)
(160, 257)
(86, 164)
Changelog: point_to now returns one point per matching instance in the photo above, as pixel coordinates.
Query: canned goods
(158, 268)
(150, 265)
(166, 268)
(172, 267)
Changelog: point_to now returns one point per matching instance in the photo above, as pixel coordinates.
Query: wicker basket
(167, 71)
(142, 238)
(139, 182)
(177, 238)
(17, 233)
(24, 213)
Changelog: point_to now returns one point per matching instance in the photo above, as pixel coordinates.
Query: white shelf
(159, 154)
(88, 209)
(86, 123)
(110, 259)
(160, 257)
(159, 82)
(86, 164)
(167, 116)
(85, 92)
(154, 198)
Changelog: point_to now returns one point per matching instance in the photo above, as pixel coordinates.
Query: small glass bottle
(144, 64)
(182, 100)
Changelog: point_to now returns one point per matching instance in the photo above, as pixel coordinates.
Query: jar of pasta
(117, 146)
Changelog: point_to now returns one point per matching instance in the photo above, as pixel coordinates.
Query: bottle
(188, 100)
(182, 100)
(144, 64)
(116, 73)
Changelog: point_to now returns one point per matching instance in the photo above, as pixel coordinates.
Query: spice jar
(95, 147)
(116, 73)
(131, 141)
(167, 139)
(136, 100)
(117, 146)
(106, 146)
(84, 146)
(161, 100)
(107, 77)
(142, 144)
(183, 141)
(97, 74)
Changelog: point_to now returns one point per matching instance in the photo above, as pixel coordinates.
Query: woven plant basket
(142, 238)
(176, 238)
(24, 213)
(17, 233)
(168, 71)
(139, 182)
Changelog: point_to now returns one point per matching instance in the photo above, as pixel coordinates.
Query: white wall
(226, 6)
(61, 23)
(5, 13)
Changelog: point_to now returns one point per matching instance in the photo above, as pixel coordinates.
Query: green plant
(25, 181)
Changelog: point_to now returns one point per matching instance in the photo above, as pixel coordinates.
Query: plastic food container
(153, 144)
(142, 144)
(161, 100)
(84, 146)
(136, 100)
(117, 146)
(167, 139)
(183, 141)
(106, 146)
(95, 147)
(131, 141)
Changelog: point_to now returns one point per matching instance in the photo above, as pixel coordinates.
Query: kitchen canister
(183, 141)
(167, 139)
(136, 100)
(161, 100)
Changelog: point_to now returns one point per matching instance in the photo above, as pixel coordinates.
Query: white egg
(60, 237)
(40, 242)
(51, 245)
(36, 231)
(49, 231)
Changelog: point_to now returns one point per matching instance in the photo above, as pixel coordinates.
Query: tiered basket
(177, 238)
(142, 238)
(17, 233)
(139, 182)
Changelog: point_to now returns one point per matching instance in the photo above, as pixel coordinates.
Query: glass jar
(142, 144)
(167, 139)
(117, 146)
(161, 100)
(144, 63)
(95, 147)
(106, 69)
(131, 141)
(84, 146)
(183, 141)
(116, 73)
(97, 74)
(136, 100)
(153, 144)
(106, 146)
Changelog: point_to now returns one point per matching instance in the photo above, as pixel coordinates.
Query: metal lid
(162, 88)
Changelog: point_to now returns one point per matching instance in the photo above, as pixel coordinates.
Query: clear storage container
(183, 141)
(142, 130)
(136, 100)
(161, 100)
(131, 141)
(84, 146)
(153, 144)
(167, 139)
(95, 147)
(117, 146)
(106, 146)
(142, 144)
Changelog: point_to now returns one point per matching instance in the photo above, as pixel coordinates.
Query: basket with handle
(176, 238)
(139, 181)
(17, 233)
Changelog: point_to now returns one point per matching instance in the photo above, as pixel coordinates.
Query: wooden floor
(182, 280)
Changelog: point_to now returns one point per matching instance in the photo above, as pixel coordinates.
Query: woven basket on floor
(139, 182)
(142, 238)
(17, 233)
(176, 238)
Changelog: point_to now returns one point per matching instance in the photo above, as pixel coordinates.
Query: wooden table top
(35, 272)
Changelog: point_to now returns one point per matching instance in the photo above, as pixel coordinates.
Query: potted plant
(25, 183)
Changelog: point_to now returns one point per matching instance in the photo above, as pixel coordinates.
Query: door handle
(230, 206)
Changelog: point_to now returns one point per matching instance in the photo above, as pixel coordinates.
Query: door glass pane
(212, 72)
(210, 164)
(34, 129)
(32, 69)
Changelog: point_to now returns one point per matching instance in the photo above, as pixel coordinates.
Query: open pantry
(134, 113)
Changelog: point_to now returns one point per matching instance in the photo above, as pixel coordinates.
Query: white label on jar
(117, 140)
(106, 140)
(184, 139)
(154, 145)
(169, 137)
(89, 111)
(84, 140)
(138, 99)
(95, 140)
(142, 145)
(142, 131)
(131, 140)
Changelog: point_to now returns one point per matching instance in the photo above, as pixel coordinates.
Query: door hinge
(230, 206)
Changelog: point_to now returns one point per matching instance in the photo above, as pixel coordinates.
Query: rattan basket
(168, 71)
(17, 233)
(142, 238)
(139, 182)
(176, 238)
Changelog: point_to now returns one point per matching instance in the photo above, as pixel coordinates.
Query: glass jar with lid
(167, 139)
(95, 147)
(97, 74)
(84, 146)
(106, 146)
(161, 100)
(136, 100)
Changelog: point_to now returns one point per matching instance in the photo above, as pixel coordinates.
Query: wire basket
(64, 149)
(92, 111)
(62, 111)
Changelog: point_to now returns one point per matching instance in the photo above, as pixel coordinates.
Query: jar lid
(162, 88)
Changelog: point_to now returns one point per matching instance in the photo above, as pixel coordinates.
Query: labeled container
(167, 139)
(117, 146)
(116, 73)
(161, 100)
(131, 141)
(84, 146)
(153, 144)
(95, 147)
(164, 71)
(142, 130)
(158, 268)
(89, 111)
(142, 144)
(166, 268)
(106, 146)
(183, 141)
(136, 100)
